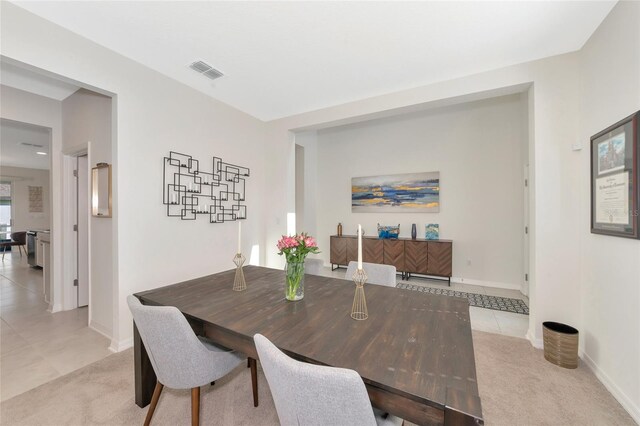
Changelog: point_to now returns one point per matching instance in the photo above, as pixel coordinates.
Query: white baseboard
(536, 343)
(626, 402)
(119, 346)
(100, 329)
(495, 284)
(54, 308)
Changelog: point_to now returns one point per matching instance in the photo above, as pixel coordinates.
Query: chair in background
(306, 394)
(313, 266)
(17, 239)
(376, 274)
(180, 359)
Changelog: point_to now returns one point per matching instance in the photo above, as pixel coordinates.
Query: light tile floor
(35, 345)
(482, 319)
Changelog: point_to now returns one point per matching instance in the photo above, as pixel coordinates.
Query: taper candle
(359, 246)
(239, 236)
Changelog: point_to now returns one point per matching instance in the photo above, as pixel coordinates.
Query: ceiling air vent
(35, 145)
(206, 70)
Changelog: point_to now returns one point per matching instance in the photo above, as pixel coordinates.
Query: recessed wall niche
(189, 192)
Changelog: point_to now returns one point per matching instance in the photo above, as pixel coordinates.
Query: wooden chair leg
(195, 406)
(154, 402)
(248, 362)
(254, 380)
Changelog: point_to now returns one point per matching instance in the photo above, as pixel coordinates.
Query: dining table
(414, 352)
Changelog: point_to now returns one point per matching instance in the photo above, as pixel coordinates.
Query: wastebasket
(560, 344)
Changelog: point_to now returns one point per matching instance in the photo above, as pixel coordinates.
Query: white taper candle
(239, 237)
(359, 246)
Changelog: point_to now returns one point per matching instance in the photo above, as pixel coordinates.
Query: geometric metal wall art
(189, 192)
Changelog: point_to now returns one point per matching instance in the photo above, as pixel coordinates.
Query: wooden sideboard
(419, 256)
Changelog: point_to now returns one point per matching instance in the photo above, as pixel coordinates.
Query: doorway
(5, 212)
(299, 190)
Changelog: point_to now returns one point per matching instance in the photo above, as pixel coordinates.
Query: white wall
(610, 279)
(86, 126)
(155, 115)
(477, 148)
(29, 108)
(21, 179)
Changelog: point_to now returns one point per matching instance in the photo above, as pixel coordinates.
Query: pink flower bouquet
(295, 249)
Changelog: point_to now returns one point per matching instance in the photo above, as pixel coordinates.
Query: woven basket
(560, 344)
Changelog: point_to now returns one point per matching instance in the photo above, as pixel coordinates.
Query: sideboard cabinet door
(372, 250)
(338, 251)
(415, 257)
(352, 249)
(394, 253)
(439, 258)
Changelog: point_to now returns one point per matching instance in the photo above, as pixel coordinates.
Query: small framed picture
(615, 171)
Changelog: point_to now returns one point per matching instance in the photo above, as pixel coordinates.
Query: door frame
(526, 279)
(69, 236)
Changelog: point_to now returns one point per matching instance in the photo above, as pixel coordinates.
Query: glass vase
(294, 285)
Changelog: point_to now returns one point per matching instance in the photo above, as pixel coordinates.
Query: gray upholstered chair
(313, 266)
(17, 239)
(180, 359)
(307, 395)
(376, 274)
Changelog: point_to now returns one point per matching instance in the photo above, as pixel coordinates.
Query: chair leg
(254, 380)
(154, 402)
(195, 406)
(248, 362)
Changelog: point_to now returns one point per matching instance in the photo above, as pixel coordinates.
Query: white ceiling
(283, 58)
(14, 153)
(29, 81)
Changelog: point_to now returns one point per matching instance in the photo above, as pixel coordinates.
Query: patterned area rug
(480, 300)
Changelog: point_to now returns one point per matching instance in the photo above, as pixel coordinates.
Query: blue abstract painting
(411, 192)
(389, 231)
(432, 231)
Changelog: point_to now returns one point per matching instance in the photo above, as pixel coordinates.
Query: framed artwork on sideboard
(615, 171)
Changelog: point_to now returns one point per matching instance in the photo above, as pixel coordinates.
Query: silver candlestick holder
(359, 308)
(239, 284)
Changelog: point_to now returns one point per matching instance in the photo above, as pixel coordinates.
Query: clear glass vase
(294, 285)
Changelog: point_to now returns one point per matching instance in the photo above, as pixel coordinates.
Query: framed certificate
(615, 171)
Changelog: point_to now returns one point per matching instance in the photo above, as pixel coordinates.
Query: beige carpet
(517, 387)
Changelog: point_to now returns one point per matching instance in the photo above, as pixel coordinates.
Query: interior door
(83, 231)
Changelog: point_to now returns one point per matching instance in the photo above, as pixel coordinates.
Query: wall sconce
(101, 190)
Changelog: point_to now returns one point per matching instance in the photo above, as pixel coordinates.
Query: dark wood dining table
(414, 352)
